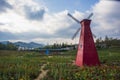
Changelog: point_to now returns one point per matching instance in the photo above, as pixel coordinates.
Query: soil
(43, 73)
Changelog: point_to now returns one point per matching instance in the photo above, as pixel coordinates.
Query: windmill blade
(76, 33)
(90, 16)
(73, 18)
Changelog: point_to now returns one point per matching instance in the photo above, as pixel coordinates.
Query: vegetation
(58, 46)
(8, 46)
(107, 42)
(25, 65)
(109, 69)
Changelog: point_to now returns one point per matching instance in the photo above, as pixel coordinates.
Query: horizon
(57, 42)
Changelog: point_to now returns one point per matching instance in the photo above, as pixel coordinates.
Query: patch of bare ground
(43, 73)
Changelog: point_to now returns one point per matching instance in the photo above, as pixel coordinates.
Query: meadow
(26, 65)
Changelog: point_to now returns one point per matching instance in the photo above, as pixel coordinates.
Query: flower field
(24, 65)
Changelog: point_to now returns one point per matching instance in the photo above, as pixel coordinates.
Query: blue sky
(46, 21)
(71, 5)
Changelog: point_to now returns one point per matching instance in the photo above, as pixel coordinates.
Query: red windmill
(87, 53)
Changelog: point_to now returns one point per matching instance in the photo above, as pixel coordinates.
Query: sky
(46, 21)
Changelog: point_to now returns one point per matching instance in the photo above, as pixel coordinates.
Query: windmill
(86, 53)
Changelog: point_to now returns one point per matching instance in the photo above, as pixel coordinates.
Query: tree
(2, 46)
(8, 46)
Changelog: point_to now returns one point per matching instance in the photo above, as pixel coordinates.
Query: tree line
(8, 46)
(108, 42)
(58, 46)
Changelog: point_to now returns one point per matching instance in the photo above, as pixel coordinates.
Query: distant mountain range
(5, 42)
(24, 44)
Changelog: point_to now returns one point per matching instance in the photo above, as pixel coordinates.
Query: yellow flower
(12, 78)
(21, 79)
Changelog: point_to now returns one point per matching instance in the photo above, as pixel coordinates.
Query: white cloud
(29, 9)
(19, 5)
(56, 21)
(107, 18)
(4, 5)
(21, 28)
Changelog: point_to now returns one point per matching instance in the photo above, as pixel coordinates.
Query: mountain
(5, 42)
(24, 44)
(28, 45)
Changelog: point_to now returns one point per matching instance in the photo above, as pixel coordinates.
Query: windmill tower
(86, 53)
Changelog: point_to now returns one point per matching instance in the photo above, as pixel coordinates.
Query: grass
(25, 65)
(109, 56)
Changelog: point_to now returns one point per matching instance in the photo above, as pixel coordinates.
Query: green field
(26, 65)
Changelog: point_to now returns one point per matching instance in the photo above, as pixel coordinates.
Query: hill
(23, 44)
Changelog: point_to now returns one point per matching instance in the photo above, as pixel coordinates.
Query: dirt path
(73, 62)
(43, 72)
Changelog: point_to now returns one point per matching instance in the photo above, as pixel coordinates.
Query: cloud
(110, 0)
(67, 32)
(31, 10)
(4, 5)
(29, 20)
(106, 18)
(48, 26)
(2, 23)
(53, 26)
(6, 35)
(34, 15)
